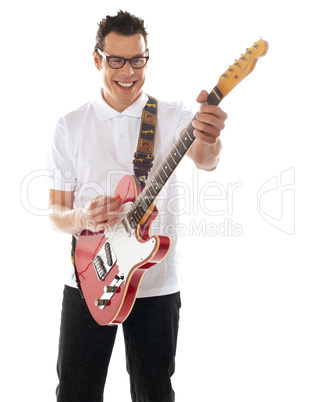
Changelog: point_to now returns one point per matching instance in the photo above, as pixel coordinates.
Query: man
(92, 149)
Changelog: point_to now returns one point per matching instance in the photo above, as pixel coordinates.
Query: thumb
(202, 97)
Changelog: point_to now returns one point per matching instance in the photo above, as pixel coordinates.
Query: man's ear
(97, 60)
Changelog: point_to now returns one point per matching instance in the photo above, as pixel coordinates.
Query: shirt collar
(104, 112)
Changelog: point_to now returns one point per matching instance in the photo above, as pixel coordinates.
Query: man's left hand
(209, 120)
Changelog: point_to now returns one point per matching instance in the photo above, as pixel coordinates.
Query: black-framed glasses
(118, 62)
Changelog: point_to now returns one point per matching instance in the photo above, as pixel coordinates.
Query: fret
(148, 191)
(152, 184)
(140, 210)
(137, 215)
(167, 164)
(175, 157)
(214, 97)
(173, 160)
(184, 136)
(190, 135)
(148, 196)
(143, 203)
(153, 191)
(130, 217)
(145, 198)
(183, 144)
(164, 170)
(161, 172)
(163, 181)
(178, 151)
(156, 188)
(171, 163)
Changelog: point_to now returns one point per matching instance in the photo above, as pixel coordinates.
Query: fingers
(202, 97)
(213, 110)
(209, 123)
(210, 120)
(103, 205)
(101, 213)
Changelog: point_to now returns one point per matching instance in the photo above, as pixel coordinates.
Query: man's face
(121, 87)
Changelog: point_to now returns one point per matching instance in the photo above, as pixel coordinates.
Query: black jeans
(85, 349)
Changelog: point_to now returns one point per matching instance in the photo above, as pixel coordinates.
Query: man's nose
(127, 69)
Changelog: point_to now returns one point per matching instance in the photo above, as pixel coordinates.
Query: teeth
(125, 84)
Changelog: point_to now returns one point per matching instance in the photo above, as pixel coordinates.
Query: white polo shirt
(93, 148)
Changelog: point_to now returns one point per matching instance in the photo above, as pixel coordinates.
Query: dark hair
(123, 23)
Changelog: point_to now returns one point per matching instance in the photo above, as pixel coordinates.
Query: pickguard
(128, 248)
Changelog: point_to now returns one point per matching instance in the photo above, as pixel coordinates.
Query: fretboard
(167, 168)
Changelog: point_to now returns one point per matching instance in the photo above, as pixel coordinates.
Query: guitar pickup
(104, 260)
(100, 268)
(108, 252)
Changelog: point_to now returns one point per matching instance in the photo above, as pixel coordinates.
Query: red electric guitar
(110, 264)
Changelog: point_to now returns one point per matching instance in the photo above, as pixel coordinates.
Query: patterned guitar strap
(143, 161)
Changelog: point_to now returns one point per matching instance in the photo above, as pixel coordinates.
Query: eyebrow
(121, 57)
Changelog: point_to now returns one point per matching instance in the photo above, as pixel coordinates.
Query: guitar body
(111, 264)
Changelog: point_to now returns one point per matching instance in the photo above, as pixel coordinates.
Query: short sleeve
(59, 161)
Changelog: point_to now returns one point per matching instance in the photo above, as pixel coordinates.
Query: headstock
(242, 67)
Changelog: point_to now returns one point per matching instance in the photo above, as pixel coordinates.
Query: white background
(247, 322)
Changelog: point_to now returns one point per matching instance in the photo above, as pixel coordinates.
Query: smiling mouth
(125, 84)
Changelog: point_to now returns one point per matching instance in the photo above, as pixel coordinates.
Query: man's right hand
(99, 213)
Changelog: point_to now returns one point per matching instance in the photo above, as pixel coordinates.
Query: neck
(119, 105)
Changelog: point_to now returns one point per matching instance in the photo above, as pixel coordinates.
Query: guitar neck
(167, 168)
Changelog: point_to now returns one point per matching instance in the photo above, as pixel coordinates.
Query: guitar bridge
(110, 290)
(104, 260)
